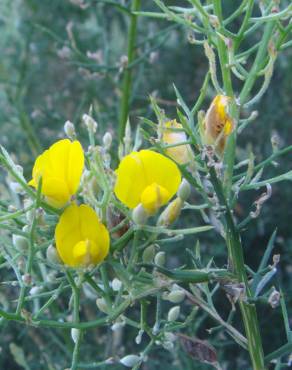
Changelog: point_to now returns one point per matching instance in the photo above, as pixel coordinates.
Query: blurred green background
(59, 57)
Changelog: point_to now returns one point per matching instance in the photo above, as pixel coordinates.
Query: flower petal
(161, 170)
(131, 180)
(141, 169)
(75, 166)
(63, 163)
(153, 197)
(81, 239)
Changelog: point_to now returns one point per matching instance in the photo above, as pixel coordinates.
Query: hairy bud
(173, 313)
(184, 190)
(159, 259)
(69, 130)
(130, 360)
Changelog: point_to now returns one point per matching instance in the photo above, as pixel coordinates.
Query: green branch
(127, 82)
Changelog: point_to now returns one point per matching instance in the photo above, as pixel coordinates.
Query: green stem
(27, 128)
(244, 24)
(284, 350)
(31, 250)
(229, 155)
(235, 252)
(222, 51)
(127, 82)
(248, 85)
(76, 305)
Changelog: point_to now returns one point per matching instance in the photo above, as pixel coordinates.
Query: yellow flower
(148, 178)
(182, 154)
(60, 168)
(81, 239)
(217, 125)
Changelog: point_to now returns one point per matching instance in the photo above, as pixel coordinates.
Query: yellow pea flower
(218, 124)
(146, 178)
(81, 239)
(60, 168)
(181, 154)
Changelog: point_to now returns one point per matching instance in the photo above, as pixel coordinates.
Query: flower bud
(275, 141)
(52, 255)
(176, 296)
(274, 298)
(130, 360)
(169, 336)
(168, 345)
(101, 304)
(27, 279)
(148, 254)
(20, 242)
(75, 334)
(171, 212)
(159, 259)
(51, 277)
(90, 123)
(15, 187)
(184, 190)
(19, 169)
(173, 134)
(138, 338)
(26, 229)
(88, 291)
(35, 290)
(29, 214)
(11, 208)
(217, 124)
(173, 313)
(107, 140)
(139, 215)
(116, 284)
(117, 325)
(69, 130)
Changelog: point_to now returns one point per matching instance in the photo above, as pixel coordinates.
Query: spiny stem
(235, 252)
(76, 303)
(127, 82)
(257, 63)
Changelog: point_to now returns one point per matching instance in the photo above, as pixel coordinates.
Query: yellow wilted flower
(60, 168)
(81, 239)
(217, 124)
(182, 154)
(148, 178)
